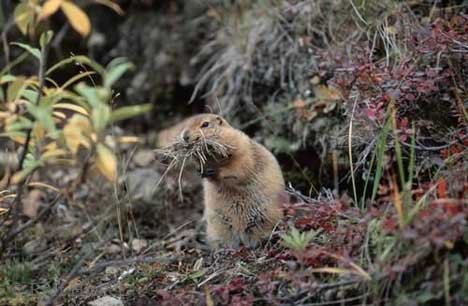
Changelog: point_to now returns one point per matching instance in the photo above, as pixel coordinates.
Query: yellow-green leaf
(38, 131)
(59, 115)
(82, 123)
(100, 116)
(45, 39)
(209, 300)
(128, 139)
(126, 112)
(15, 88)
(49, 8)
(72, 137)
(33, 51)
(21, 175)
(111, 5)
(75, 132)
(77, 17)
(72, 107)
(80, 59)
(77, 77)
(52, 151)
(106, 162)
(7, 78)
(24, 16)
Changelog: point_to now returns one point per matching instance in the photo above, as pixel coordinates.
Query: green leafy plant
(30, 13)
(297, 240)
(59, 121)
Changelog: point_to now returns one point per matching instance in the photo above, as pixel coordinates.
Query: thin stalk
(350, 153)
(398, 153)
(380, 154)
(16, 207)
(367, 180)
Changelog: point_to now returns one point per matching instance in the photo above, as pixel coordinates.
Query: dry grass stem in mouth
(200, 151)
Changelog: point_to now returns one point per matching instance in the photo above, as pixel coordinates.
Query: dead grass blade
(200, 152)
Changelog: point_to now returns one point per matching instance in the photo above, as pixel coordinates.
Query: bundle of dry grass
(202, 152)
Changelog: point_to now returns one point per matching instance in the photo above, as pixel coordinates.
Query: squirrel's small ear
(220, 120)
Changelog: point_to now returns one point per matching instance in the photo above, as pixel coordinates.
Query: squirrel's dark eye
(205, 124)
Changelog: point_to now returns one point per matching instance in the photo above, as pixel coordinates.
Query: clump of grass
(14, 275)
(15, 272)
(265, 48)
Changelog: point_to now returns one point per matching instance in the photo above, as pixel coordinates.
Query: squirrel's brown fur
(241, 193)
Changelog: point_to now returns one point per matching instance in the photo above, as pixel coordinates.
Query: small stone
(143, 158)
(112, 271)
(106, 301)
(34, 246)
(113, 249)
(141, 184)
(139, 244)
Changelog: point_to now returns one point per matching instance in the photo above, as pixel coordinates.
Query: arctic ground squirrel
(243, 188)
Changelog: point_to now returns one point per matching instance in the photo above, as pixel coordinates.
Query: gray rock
(106, 301)
(34, 246)
(141, 184)
(139, 244)
(143, 158)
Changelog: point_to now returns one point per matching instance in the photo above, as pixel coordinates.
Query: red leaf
(442, 188)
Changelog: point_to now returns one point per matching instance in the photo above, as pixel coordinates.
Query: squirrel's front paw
(208, 172)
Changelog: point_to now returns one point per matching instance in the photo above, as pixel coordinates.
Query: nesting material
(202, 152)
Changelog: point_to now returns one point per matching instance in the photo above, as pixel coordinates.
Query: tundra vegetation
(363, 102)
